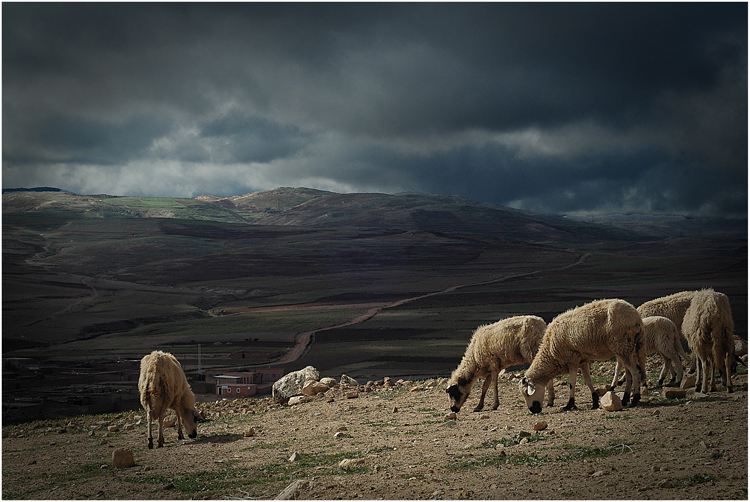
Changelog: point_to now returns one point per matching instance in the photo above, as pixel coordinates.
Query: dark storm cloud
(551, 107)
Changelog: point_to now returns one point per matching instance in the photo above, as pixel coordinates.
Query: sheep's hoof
(661, 382)
(625, 398)
(150, 444)
(180, 436)
(636, 398)
(478, 408)
(595, 401)
(571, 405)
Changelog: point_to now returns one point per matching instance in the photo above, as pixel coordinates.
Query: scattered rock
(292, 491)
(395, 409)
(524, 441)
(350, 463)
(313, 387)
(673, 393)
(611, 402)
(388, 382)
(170, 486)
(540, 426)
(250, 432)
(688, 382)
(295, 400)
(484, 416)
(665, 483)
(352, 394)
(524, 434)
(126, 427)
(295, 457)
(329, 382)
(339, 434)
(170, 421)
(348, 381)
(417, 388)
(291, 384)
(597, 474)
(123, 457)
(602, 390)
(114, 428)
(343, 428)
(450, 416)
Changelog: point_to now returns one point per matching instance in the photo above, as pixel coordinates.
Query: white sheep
(162, 385)
(673, 307)
(708, 327)
(596, 331)
(493, 347)
(661, 336)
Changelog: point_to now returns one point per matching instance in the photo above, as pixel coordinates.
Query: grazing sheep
(708, 327)
(162, 385)
(673, 307)
(493, 347)
(595, 331)
(661, 336)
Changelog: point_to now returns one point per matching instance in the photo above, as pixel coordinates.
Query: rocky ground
(399, 443)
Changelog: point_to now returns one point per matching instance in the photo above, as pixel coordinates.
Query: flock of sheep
(596, 331)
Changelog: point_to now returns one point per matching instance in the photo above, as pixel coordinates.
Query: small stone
(339, 434)
(673, 393)
(348, 381)
(170, 486)
(688, 382)
(170, 421)
(597, 474)
(388, 381)
(312, 388)
(127, 427)
(395, 410)
(540, 426)
(450, 416)
(656, 413)
(123, 457)
(113, 428)
(295, 457)
(524, 441)
(295, 400)
(349, 463)
(524, 434)
(250, 432)
(292, 492)
(665, 483)
(417, 388)
(484, 416)
(611, 402)
(343, 428)
(352, 394)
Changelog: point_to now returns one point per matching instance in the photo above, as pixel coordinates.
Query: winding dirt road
(305, 340)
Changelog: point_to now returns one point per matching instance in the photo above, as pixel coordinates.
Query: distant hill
(35, 189)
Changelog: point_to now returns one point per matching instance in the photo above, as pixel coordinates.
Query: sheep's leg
(615, 382)
(572, 385)
(160, 442)
(698, 374)
(713, 373)
(485, 386)
(495, 374)
(150, 437)
(666, 367)
(728, 371)
(585, 371)
(179, 426)
(635, 368)
(550, 393)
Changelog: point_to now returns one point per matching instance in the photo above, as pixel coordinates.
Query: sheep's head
(533, 394)
(190, 418)
(458, 391)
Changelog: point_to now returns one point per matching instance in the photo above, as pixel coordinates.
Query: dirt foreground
(398, 443)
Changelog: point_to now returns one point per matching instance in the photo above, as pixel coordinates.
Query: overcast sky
(582, 108)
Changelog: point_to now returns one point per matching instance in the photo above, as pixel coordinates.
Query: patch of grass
(695, 479)
(529, 460)
(510, 441)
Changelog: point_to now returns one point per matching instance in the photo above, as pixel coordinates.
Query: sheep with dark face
(708, 327)
(492, 348)
(596, 331)
(162, 385)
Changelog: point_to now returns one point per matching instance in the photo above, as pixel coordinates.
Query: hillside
(364, 284)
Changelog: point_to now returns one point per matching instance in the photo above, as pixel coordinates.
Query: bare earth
(397, 443)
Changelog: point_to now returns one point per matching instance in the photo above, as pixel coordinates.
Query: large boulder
(291, 384)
